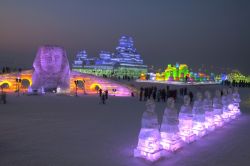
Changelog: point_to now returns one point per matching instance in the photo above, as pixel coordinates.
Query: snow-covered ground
(77, 131)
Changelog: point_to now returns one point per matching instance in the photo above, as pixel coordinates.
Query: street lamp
(76, 83)
(18, 80)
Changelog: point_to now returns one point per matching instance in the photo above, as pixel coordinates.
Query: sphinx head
(186, 100)
(170, 103)
(224, 91)
(199, 96)
(235, 90)
(229, 91)
(218, 93)
(49, 59)
(150, 105)
(208, 94)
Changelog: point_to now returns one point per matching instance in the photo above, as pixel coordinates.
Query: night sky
(215, 33)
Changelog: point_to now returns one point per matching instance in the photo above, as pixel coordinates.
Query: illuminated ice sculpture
(170, 139)
(236, 101)
(199, 116)
(186, 121)
(225, 104)
(149, 138)
(231, 107)
(51, 69)
(218, 109)
(209, 112)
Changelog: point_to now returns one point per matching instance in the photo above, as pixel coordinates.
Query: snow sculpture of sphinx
(149, 138)
(209, 111)
(218, 109)
(170, 139)
(199, 116)
(51, 69)
(186, 121)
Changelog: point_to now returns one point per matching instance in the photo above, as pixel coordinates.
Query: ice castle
(125, 61)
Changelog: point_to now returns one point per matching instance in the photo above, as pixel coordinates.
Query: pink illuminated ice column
(199, 120)
(186, 121)
(218, 109)
(149, 138)
(209, 112)
(231, 107)
(170, 139)
(224, 100)
(236, 101)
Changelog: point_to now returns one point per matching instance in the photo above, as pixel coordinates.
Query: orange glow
(159, 77)
(88, 82)
(6, 82)
(143, 77)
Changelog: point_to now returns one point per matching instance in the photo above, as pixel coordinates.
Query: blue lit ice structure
(170, 139)
(199, 116)
(126, 52)
(125, 61)
(218, 109)
(186, 122)
(149, 138)
(209, 112)
(225, 103)
(80, 58)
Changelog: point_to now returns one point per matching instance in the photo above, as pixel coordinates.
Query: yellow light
(5, 82)
(93, 86)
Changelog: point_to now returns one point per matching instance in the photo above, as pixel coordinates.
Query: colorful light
(125, 61)
(181, 73)
(89, 86)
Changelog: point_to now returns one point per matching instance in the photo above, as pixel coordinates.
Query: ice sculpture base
(154, 156)
(188, 138)
(200, 132)
(199, 129)
(210, 126)
(232, 115)
(218, 123)
(171, 145)
(226, 117)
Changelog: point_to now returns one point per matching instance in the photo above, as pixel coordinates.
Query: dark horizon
(213, 33)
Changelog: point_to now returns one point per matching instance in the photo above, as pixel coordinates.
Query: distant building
(125, 61)
(180, 72)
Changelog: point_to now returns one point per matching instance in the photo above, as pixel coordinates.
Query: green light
(237, 77)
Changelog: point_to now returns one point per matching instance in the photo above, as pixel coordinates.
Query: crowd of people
(124, 77)
(153, 92)
(161, 94)
(7, 69)
(241, 83)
